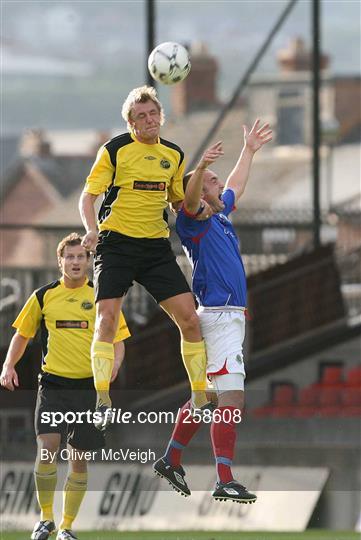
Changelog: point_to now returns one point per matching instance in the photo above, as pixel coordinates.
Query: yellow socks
(102, 356)
(45, 482)
(73, 494)
(74, 491)
(195, 361)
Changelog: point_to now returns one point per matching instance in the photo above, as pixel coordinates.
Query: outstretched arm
(194, 187)
(253, 141)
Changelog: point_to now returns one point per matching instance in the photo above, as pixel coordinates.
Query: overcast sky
(108, 38)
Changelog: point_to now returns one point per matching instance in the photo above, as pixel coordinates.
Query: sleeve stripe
(188, 214)
(114, 144)
(40, 293)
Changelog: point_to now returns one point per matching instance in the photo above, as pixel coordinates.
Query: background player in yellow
(65, 312)
(139, 173)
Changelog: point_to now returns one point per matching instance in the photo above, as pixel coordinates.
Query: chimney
(297, 58)
(198, 90)
(34, 143)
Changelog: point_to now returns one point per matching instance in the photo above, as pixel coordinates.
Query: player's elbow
(86, 200)
(20, 341)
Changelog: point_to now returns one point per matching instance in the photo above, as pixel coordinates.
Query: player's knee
(239, 401)
(47, 448)
(231, 398)
(189, 322)
(78, 465)
(106, 322)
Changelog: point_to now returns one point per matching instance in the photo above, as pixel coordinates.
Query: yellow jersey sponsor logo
(141, 185)
(83, 325)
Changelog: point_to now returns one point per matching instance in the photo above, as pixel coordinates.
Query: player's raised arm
(194, 187)
(253, 141)
(9, 377)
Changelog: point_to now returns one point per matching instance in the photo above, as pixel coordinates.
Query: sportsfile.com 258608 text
(118, 416)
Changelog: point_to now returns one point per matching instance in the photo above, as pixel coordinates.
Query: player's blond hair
(141, 95)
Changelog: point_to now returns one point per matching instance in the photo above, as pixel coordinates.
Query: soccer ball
(169, 63)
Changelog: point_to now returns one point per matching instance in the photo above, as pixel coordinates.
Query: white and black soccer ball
(169, 63)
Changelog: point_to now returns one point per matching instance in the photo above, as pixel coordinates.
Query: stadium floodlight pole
(316, 65)
(241, 85)
(150, 18)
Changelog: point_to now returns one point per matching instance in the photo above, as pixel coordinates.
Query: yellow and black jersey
(138, 180)
(66, 318)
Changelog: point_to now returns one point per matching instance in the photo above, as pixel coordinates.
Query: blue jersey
(212, 247)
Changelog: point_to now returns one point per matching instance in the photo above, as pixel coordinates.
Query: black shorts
(60, 394)
(121, 259)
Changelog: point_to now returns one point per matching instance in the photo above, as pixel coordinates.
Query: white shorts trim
(224, 383)
(223, 333)
(213, 309)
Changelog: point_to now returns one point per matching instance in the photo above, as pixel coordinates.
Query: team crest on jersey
(165, 164)
(87, 304)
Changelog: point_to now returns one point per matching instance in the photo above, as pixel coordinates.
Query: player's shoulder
(228, 192)
(40, 293)
(173, 146)
(117, 142)
(229, 198)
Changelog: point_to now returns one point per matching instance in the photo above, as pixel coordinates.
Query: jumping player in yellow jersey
(65, 312)
(139, 173)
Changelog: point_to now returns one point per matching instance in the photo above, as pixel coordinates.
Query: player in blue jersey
(219, 284)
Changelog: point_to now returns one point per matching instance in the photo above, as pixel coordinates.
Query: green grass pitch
(197, 535)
